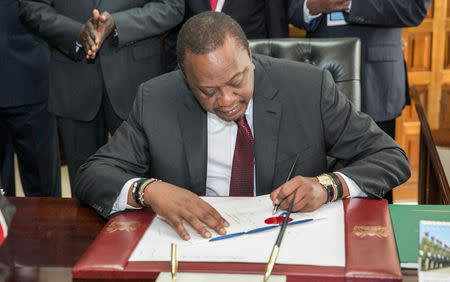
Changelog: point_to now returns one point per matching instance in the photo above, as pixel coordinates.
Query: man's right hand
(88, 35)
(176, 204)
(326, 6)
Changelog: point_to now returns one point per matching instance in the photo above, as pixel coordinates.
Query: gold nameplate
(129, 226)
(363, 231)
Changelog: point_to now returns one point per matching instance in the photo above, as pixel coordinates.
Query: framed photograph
(434, 251)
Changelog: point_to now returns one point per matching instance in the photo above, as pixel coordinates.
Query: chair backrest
(340, 56)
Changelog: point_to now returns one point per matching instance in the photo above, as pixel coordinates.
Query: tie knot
(242, 122)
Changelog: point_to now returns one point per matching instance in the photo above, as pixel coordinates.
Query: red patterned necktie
(213, 4)
(242, 174)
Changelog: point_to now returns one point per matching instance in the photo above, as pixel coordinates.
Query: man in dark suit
(26, 127)
(226, 119)
(97, 62)
(384, 82)
(258, 19)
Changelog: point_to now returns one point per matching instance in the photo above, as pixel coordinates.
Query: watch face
(324, 180)
(327, 183)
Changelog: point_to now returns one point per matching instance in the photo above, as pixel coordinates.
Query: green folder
(405, 221)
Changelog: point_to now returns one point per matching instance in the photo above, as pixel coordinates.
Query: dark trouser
(81, 139)
(30, 132)
(388, 126)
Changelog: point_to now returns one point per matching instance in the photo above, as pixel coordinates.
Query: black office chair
(340, 56)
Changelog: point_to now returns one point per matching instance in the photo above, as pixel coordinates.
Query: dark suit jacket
(378, 24)
(258, 19)
(75, 84)
(297, 109)
(24, 61)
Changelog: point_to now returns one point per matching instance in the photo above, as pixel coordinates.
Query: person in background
(100, 52)
(384, 82)
(258, 19)
(231, 124)
(26, 127)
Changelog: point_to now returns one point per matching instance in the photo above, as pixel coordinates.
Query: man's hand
(176, 204)
(326, 6)
(86, 37)
(310, 194)
(94, 32)
(104, 24)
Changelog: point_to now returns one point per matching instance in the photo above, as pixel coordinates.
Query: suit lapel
(266, 120)
(192, 119)
(225, 8)
(205, 5)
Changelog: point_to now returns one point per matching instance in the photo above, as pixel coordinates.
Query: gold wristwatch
(327, 183)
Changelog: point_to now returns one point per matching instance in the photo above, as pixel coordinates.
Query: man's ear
(249, 51)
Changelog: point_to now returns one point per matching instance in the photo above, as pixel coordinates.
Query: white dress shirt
(219, 5)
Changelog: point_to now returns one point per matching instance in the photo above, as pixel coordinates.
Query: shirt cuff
(77, 46)
(307, 17)
(121, 202)
(353, 188)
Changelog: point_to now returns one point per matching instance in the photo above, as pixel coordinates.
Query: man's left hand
(310, 194)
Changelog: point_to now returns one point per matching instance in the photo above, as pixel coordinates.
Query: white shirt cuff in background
(307, 17)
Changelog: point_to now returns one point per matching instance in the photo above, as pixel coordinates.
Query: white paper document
(317, 242)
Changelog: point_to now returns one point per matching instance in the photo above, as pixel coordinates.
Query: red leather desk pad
(371, 252)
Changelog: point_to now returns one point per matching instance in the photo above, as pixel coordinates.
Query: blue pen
(256, 230)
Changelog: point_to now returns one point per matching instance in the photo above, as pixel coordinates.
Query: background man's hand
(326, 6)
(94, 32)
(104, 24)
(176, 204)
(86, 37)
(310, 194)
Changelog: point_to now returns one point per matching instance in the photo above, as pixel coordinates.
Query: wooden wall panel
(422, 92)
(447, 51)
(444, 122)
(296, 32)
(407, 136)
(418, 50)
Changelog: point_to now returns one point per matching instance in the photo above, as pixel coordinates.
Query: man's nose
(227, 97)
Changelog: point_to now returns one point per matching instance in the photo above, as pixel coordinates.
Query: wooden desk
(48, 235)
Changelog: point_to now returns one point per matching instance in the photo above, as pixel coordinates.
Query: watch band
(339, 187)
